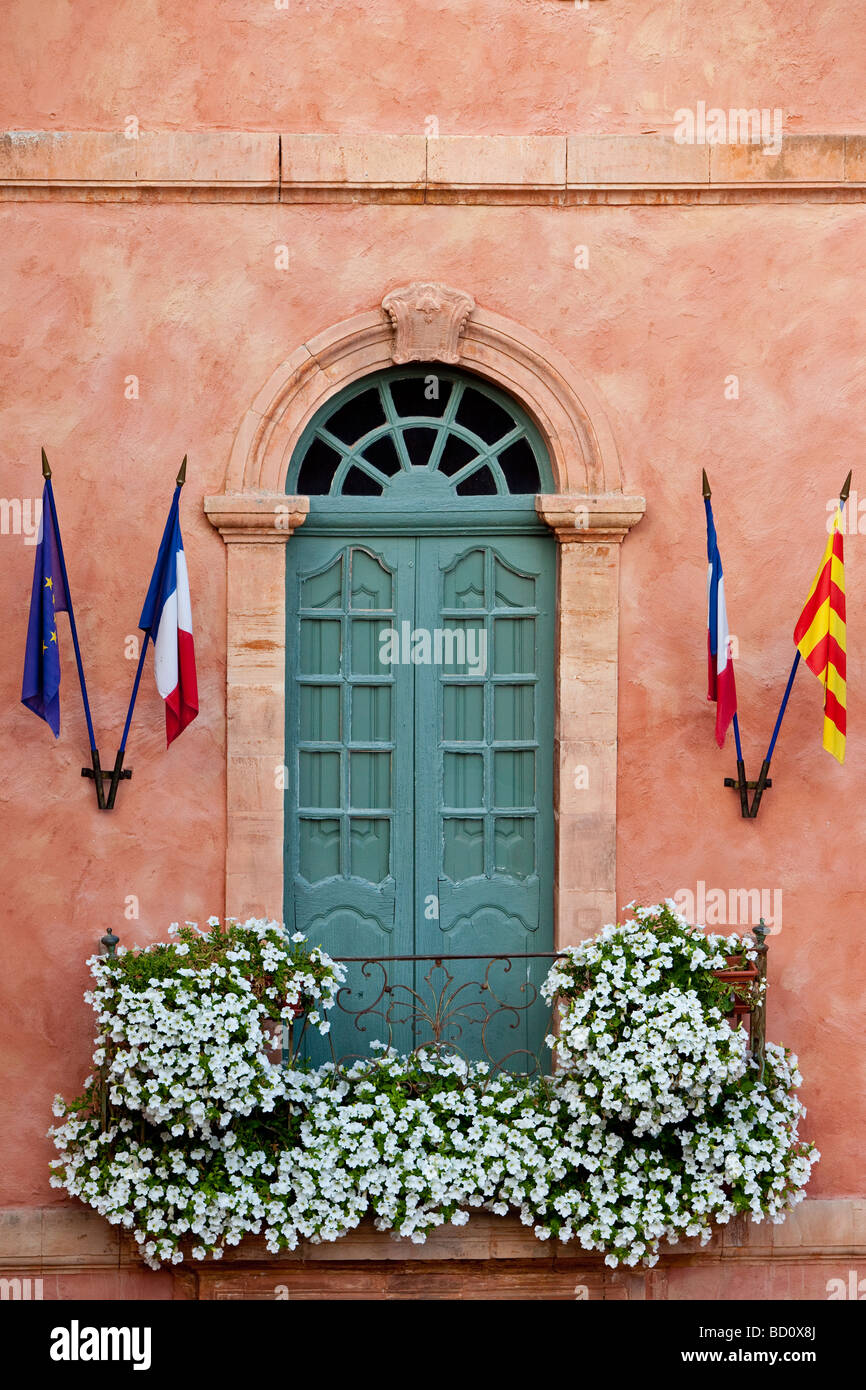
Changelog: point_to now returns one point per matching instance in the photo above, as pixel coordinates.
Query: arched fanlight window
(399, 424)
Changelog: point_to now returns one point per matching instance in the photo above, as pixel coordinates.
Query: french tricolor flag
(167, 619)
(721, 687)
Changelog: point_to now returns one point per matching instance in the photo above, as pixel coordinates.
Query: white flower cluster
(183, 1038)
(639, 1033)
(415, 1142)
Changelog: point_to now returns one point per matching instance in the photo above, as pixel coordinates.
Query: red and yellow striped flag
(820, 637)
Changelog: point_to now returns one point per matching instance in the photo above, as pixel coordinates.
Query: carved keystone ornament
(428, 320)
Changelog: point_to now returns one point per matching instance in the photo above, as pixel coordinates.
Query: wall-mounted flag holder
(820, 638)
(166, 619)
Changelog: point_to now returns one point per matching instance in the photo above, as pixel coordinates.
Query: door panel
(485, 838)
(349, 797)
(421, 810)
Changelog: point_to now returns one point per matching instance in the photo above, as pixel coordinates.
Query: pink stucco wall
(188, 300)
(186, 297)
(480, 66)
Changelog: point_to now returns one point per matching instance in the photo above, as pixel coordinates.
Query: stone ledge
(382, 162)
(257, 166)
(530, 162)
(595, 161)
(73, 1236)
(46, 1237)
(159, 164)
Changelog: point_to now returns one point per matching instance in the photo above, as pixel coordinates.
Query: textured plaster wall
(188, 299)
(479, 66)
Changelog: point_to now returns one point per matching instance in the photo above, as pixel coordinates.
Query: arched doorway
(420, 706)
(587, 511)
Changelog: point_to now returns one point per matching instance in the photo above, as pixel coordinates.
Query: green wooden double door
(419, 822)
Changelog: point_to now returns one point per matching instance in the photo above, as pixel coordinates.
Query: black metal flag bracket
(118, 774)
(747, 809)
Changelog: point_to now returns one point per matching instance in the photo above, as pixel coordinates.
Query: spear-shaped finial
(846, 488)
(181, 477)
(705, 483)
(46, 466)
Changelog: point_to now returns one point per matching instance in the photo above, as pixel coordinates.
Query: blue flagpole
(784, 705)
(134, 696)
(134, 693)
(737, 739)
(765, 766)
(740, 784)
(49, 492)
(117, 771)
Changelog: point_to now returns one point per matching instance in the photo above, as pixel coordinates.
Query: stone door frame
(589, 514)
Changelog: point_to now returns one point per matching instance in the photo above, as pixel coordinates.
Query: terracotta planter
(738, 975)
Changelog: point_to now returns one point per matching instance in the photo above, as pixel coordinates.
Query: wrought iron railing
(495, 1013)
(481, 1007)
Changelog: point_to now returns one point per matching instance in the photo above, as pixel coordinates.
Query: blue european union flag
(40, 689)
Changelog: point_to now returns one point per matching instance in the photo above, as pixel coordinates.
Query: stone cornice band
(554, 170)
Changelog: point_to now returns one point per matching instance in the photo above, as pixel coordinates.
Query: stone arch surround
(589, 515)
